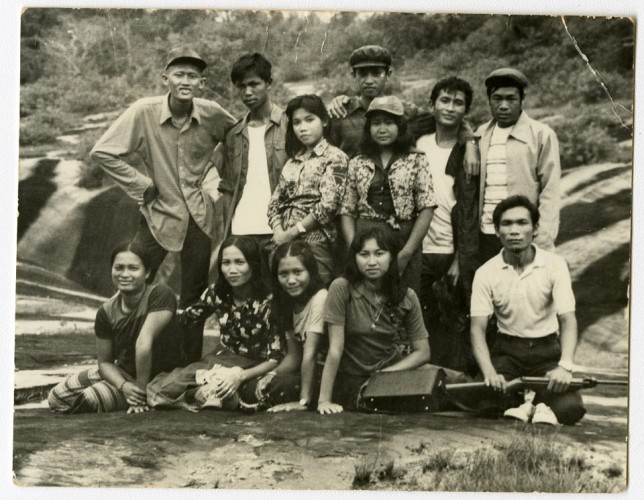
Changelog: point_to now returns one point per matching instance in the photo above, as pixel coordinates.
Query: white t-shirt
(525, 305)
(250, 215)
(440, 236)
(496, 177)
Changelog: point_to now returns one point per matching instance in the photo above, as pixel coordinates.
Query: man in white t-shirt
(449, 103)
(251, 157)
(530, 292)
(519, 156)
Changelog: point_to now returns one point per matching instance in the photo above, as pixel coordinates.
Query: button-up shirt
(410, 182)
(174, 161)
(231, 159)
(310, 183)
(526, 304)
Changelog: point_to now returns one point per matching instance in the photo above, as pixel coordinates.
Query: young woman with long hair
(308, 194)
(249, 346)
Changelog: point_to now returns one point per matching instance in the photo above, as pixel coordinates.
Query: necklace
(377, 312)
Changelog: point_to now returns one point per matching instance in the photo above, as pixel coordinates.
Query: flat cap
(370, 55)
(506, 74)
(388, 104)
(185, 54)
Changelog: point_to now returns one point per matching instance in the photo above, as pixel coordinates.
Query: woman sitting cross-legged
(137, 338)
(250, 347)
(369, 311)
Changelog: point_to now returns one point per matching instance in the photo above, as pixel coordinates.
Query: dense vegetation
(76, 62)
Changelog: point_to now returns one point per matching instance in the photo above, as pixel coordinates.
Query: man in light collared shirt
(174, 135)
(519, 156)
(530, 292)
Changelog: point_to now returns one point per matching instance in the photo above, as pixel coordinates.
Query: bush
(44, 127)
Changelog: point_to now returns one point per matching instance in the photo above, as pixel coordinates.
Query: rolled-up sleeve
(332, 186)
(424, 196)
(123, 138)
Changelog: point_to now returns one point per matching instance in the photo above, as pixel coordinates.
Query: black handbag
(408, 391)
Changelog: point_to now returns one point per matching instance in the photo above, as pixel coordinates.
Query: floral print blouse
(310, 183)
(244, 329)
(410, 182)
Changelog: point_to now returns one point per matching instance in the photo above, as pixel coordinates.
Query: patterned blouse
(410, 182)
(244, 329)
(310, 183)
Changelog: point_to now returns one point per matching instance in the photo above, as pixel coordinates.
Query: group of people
(353, 237)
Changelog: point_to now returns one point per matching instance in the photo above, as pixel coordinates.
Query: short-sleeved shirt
(525, 305)
(409, 179)
(175, 161)
(371, 330)
(244, 329)
(310, 319)
(123, 329)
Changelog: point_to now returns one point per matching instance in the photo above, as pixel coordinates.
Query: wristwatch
(304, 402)
(300, 228)
(566, 365)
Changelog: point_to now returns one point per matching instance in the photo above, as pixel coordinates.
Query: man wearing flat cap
(519, 156)
(174, 135)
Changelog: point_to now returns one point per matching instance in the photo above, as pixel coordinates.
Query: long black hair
(312, 104)
(402, 145)
(283, 304)
(253, 255)
(393, 286)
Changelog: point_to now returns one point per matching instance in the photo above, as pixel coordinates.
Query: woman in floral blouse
(311, 184)
(389, 185)
(249, 346)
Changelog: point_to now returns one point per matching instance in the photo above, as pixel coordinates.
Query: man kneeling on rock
(530, 292)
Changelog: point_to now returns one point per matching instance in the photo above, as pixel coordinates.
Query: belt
(527, 340)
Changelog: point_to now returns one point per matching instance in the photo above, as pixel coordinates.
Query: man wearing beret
(174, 135)
(519, 156)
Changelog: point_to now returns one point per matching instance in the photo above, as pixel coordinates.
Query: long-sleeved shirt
(231, 159)
(175, 162)
(310, 183)
(533, 170)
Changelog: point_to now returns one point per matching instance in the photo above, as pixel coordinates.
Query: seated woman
(307, 197)
(367, 312)
(298, 308)
(389, 185)
(249, 346)
(137, 338)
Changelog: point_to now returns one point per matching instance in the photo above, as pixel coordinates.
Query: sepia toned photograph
(323, 250)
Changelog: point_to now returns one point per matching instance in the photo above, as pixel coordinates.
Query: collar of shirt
(354, 104)
(166, 114)
(362, 290)
(275, 118)
(378, 161)
(319, 150)
(536, 263)
(521, 130)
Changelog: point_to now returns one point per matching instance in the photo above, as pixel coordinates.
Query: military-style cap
(370, 55)
(507, 74)
(388, 104)
(187, 54)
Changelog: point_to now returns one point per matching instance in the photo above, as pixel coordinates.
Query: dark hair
(253, 255)
(393, 286)
(136, 249)
(313, 104)
(501, 81)
(513, 202)
(402, 145)
(453, 84)
(254, 62)
(283, 303)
